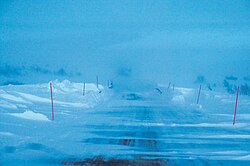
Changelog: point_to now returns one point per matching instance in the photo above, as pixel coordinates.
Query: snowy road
(182, 136)
(165, 127)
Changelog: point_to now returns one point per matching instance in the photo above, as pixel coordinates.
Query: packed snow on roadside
(30, 115)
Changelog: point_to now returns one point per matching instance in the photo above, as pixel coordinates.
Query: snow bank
(178, 99)
(66, 86)
(7, 96)
(185, 91)
(34, 98)
(30, 115)
(65, 94)
(8, 105)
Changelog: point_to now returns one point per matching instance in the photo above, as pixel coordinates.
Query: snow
(6, 104)
(12, 97)
(6, 134)
(156, 55)
(179, 99)
(34, 98)
(30, 115)
(223, 125)
(121, 124)
(66, 87)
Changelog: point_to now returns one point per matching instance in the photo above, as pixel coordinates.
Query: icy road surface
(123, 125)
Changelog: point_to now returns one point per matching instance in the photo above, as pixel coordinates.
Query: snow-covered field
(121, 124)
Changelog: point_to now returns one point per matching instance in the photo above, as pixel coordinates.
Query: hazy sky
(155, 40)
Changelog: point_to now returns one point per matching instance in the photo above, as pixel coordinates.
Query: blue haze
(159, 41)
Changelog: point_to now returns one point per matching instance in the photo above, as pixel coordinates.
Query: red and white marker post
(52, 104)
(198, 98)
(236, 103)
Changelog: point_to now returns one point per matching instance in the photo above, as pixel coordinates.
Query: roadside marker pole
(169, 85)
(51, 98)
(97, 82)
(83, 89)
(198, 98)
(236, 104)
